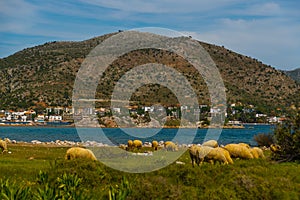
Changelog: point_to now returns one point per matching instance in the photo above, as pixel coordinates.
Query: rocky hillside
(45, 74)
(294, 74)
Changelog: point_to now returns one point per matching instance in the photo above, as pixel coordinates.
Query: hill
(44, 75)
(294, 74)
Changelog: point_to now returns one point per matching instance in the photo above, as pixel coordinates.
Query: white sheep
(79, 152)
(193, 150)
(3, 146)
(257, 152)
(170, 146)
(211, 143)
(210, 154)
(239, 151)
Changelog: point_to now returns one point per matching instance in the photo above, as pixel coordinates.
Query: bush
(264, 139)
(287, 136)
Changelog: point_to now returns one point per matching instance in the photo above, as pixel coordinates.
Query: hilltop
(294, 74)
(44, 75)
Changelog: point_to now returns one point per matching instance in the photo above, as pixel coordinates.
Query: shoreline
(164, 127)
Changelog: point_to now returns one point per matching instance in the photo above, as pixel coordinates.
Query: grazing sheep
(257, 152)
(239, 151)
(275, 148)
(3, 146)
(122, 146)
(227, 155)
(79, 152)
(7, 140)
(170, 146)
(211, 143)
(129, 144)
(137, 144)
(193, 150)
(154, 145)
(167, 142)
(210, 155)
(245, 145)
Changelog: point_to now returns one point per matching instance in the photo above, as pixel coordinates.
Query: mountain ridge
(294, 74)
(46, 73)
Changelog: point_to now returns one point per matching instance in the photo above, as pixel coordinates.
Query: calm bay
(120, 136)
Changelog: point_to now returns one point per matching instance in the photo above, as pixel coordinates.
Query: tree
(287, 136)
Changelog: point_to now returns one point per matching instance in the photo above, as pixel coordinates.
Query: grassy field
(40, 172)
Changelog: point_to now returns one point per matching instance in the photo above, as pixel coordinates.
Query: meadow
(41, 172)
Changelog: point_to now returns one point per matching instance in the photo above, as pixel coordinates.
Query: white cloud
(263, 9)
(18, 14)
(274, 42)
(267, 30)
(161, 6)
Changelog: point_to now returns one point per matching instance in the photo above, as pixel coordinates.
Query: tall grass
(81, 179)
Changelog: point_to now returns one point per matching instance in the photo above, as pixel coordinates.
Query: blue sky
(263, 29)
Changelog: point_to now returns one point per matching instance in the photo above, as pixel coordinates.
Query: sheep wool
(211, 143)
(129, 144)
(245, 145)
(193, 154)
(275, 148)
(137, 144)
(212, 154)
(257, 152)
(79, 152)
(3, 146)
(154, 144)
(170, 146)
(239, 151)
(227, 155)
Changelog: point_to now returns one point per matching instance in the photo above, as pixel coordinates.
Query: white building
(55, 118)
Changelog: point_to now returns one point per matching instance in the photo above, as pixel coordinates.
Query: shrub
(287, 136)
(264, 139)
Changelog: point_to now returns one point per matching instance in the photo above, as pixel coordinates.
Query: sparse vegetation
(48, 176)
(48, 72)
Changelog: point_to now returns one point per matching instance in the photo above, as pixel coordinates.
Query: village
(236, 114)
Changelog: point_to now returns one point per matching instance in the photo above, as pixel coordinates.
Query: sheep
(170, 146)
(129, 144)
(275, 148)
(79, 152)
(193, 150)
(167, 142)
(3, 145)
(257, 152)
(211, 154)
(122, 146)
(154, 145)
(239, 151)
(245, 145)
(227, 155)
(211, 143)
(137, 144)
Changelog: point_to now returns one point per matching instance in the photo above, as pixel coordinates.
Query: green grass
(245, 179)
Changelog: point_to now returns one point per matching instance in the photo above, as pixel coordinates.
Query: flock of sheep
(209, 151)
(168, 145)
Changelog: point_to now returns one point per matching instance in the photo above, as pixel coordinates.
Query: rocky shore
(66, 143)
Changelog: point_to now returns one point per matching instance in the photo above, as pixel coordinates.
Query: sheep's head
(275, 147)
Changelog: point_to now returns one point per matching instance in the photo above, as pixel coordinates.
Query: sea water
(121, 136)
